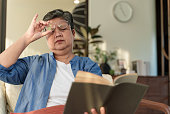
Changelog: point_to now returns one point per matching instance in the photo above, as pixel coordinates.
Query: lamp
(76, 1)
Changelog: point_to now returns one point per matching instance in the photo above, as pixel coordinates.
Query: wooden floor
(158, 91)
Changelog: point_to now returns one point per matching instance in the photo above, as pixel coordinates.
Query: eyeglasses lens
(62, 25)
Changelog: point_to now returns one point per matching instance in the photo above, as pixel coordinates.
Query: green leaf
(111, 72)
(104, 58)
(96, 36)
(97, 58)
(84, 32)
(93, 31)
(88, 29)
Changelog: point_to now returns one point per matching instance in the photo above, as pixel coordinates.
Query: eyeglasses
(61, 25)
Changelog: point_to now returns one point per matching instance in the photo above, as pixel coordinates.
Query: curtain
(3, 5)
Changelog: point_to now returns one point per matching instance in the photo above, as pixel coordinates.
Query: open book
(92, 91)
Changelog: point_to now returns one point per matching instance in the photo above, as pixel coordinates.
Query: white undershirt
(61, 85)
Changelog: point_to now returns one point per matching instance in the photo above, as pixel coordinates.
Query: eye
(63, 26)
(62, 29)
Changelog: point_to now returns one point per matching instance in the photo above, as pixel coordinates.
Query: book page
(125, 78)
(87, 77)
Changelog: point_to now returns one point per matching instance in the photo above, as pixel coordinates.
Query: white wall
(20, 14)
(135, 39)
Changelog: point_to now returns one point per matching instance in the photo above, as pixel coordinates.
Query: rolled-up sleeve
(16, 73)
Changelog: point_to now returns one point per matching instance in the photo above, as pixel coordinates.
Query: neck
(64, 57)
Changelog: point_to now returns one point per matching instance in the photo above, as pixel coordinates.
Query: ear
(73, 32)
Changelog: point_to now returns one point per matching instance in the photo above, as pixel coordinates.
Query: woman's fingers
(102, 110)
(34, 18)
(45, 23)
(45, 33)
(32, 25)
(93, 111)
(35, 30)
(39, 26)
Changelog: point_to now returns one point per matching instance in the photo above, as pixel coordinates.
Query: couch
(8, 97)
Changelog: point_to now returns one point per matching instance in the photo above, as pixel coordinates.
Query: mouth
(59, 41)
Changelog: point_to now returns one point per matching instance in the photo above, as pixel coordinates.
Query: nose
(57, 33)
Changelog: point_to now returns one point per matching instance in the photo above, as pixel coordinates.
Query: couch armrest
(12, 93)
(155, 106)
(2, 98)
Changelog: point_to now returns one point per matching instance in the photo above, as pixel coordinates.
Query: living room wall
(135, 39)
(20, 14)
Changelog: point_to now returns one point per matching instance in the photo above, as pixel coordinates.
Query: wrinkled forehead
(57, 21)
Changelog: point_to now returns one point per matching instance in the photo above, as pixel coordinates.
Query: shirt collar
(72, 60)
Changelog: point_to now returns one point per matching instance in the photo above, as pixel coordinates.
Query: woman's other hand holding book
(93, 111)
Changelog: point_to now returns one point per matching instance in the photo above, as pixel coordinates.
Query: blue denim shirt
(36, 73)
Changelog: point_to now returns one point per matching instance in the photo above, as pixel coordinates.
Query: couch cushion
(12, 93)
(2, 98)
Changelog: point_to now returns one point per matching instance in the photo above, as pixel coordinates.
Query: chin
(60, 47)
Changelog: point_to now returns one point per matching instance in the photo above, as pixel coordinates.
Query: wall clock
(122, 11)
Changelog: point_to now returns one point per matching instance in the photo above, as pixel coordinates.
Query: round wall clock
(122, 11)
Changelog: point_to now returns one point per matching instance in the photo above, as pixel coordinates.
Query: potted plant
(91, 34)
(100, 56)
(103, 57)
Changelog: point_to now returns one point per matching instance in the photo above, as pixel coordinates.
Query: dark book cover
(123, 98)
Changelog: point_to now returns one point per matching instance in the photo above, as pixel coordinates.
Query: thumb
(46, 33)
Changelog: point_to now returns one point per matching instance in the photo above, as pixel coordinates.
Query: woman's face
(62, 36)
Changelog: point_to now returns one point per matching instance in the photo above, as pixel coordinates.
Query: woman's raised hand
(35, 30)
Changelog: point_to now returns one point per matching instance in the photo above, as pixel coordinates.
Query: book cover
(122, 98)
